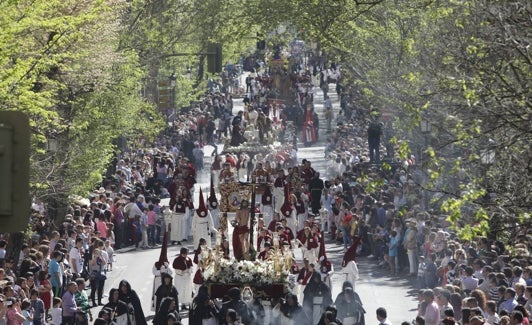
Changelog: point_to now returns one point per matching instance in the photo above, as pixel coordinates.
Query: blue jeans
(346, 236)
(151, 234)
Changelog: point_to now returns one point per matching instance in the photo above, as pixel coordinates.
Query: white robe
(122, 319)
(283, 320)
(278, 198)
(179, 226)
(183, 283)
(215, 213)
(157, 281)
(301, 217)
(292, 221)
(351, 270)
(201, 228)
(267, 213)
(215, 173)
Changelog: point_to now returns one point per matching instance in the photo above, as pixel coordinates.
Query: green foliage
(79, 68)
(60, 64)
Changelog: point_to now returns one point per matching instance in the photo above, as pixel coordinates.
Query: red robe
(237, 246)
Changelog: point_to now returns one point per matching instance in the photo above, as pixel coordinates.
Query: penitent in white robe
(183, 284)
(157, 281)
(201, 227)
(215, 213)
(351, 271)
(179, 226)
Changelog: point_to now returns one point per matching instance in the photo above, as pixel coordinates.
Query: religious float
(256, 137)
(268, 279)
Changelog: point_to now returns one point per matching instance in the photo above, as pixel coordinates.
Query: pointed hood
(213, 201)
(267, 196)
(286, 208)
(202, 209)
(163, 258)
(321, 251)
(350, 254)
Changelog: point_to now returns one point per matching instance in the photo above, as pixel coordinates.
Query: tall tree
(61, 65)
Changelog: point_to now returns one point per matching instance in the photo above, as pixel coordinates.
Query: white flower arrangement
(258, 273)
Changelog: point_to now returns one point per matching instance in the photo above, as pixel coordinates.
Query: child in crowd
(392, 252)
(431, 277)
(421, 272)
(57, 311)
(111, 254)
(37, 306)
(26, 312)
(144, 228)
(137, 231)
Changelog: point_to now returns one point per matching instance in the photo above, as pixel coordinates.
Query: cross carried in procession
(252, 210)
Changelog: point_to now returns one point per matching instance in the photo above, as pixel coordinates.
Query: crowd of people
(380, 213)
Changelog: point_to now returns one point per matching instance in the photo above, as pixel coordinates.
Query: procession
(265, 163)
